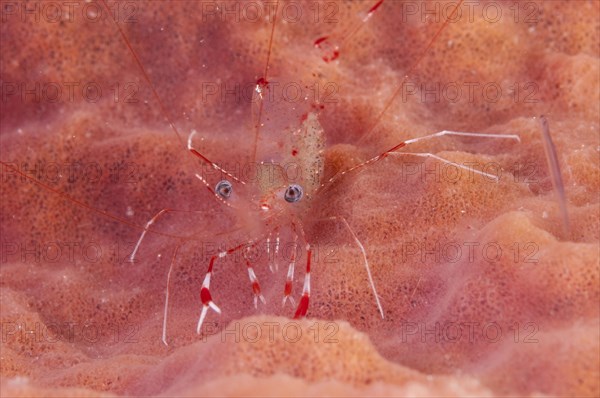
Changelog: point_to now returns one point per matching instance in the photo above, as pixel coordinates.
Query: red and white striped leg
(303, 305)
(255, 285)
(287, 290)
(205, 296)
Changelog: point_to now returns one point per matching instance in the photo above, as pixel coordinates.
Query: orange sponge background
(484, 291)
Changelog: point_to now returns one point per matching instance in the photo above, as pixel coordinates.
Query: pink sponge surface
(483, 289)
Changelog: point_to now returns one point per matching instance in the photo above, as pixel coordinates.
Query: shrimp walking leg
(364, 256)
(205, 296)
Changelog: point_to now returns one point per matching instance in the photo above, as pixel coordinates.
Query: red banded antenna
(163, 109)
(262, 83)
(409, 71)
(146, 77)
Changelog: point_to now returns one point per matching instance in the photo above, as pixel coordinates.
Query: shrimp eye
(293, 193)
(224, 189)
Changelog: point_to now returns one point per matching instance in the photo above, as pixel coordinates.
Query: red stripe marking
(309, 253)
(288, 288)
(236, 248)
(212, 261)
(302, 307)
(400, 145)
(376, 6)
(262, 82)
(256, 288)
(205, 296)
(321, 43)
(320, 40)
(201, 156)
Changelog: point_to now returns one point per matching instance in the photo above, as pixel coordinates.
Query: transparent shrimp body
(287, 157)
(285, 169)
(287, 186)
(286, 173)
